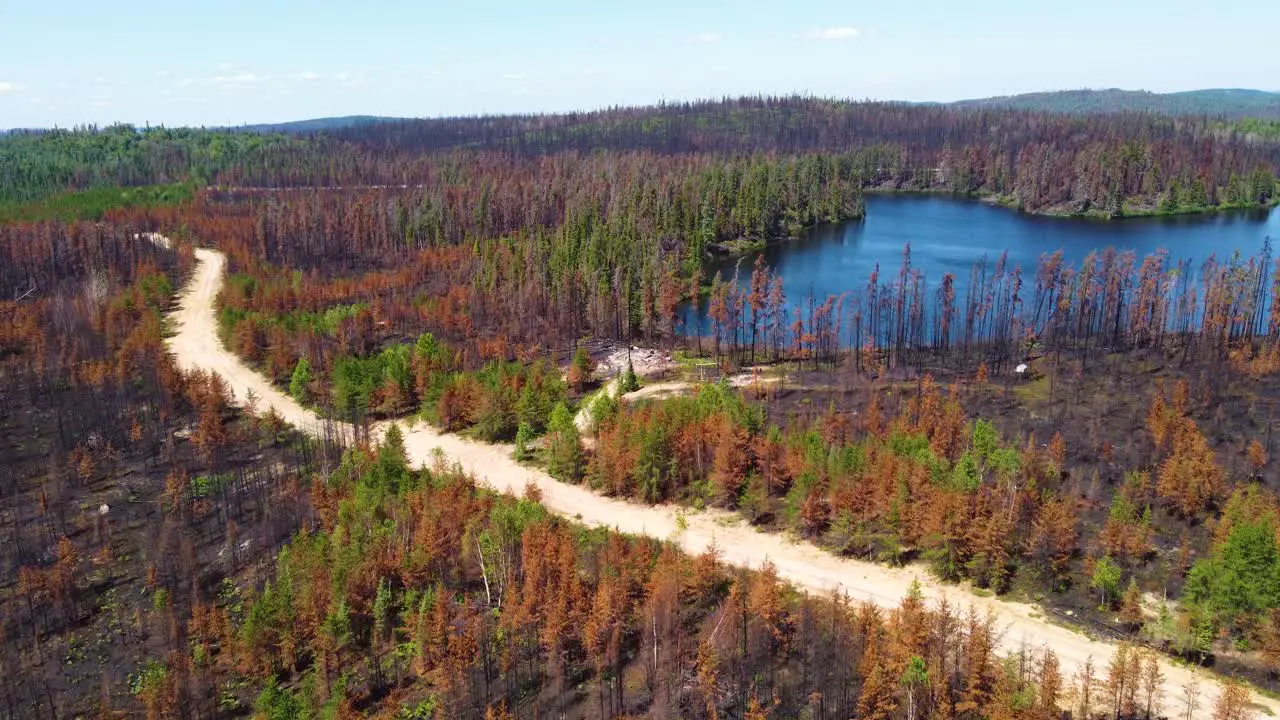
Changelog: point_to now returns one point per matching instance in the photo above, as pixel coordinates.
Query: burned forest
(1089, 435)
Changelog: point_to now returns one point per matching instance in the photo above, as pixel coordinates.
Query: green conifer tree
(301, 378)
(564, 446)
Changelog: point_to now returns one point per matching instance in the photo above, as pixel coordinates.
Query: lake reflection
(950, 235)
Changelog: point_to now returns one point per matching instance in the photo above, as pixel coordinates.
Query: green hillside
(1232, 103)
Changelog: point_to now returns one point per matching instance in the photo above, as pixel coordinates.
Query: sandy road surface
(196, 345)
(653, 364)
(644, 361)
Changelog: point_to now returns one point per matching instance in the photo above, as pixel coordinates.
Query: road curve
(195, 345)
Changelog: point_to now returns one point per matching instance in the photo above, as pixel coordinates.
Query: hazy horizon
(242, 62)
(356, 112)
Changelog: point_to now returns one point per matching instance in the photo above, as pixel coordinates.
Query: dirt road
(195, 345)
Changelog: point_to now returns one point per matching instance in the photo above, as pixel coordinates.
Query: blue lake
(951, 234)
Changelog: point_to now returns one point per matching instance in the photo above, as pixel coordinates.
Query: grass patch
(1031, 392)
(688, 361)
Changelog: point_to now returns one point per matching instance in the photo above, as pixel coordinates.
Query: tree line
(1108, 164)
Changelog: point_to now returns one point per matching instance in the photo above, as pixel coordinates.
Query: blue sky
(67, 62)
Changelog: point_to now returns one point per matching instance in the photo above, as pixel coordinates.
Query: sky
(232, 62)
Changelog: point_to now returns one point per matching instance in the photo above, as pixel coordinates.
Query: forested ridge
(1040, 161)
(1111, 163)
(1232, 103)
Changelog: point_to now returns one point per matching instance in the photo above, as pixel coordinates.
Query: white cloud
(344, 76)
(513, 76)
(705, 38)
(719, 68)
(309, 76)
(238, 80)
(8, 87)
(161, 74)
(832, 33)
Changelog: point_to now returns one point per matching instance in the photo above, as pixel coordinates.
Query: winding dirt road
(195, 344)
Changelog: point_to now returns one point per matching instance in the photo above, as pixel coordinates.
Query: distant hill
(1227, 103)
(1231, 103)
(319, 124)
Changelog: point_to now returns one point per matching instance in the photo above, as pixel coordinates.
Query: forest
(1225, 102)
(172, 551)
(1109, 164)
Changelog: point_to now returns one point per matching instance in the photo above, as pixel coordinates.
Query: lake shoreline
(952, 234)
(742, 247)
(1065, 213)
